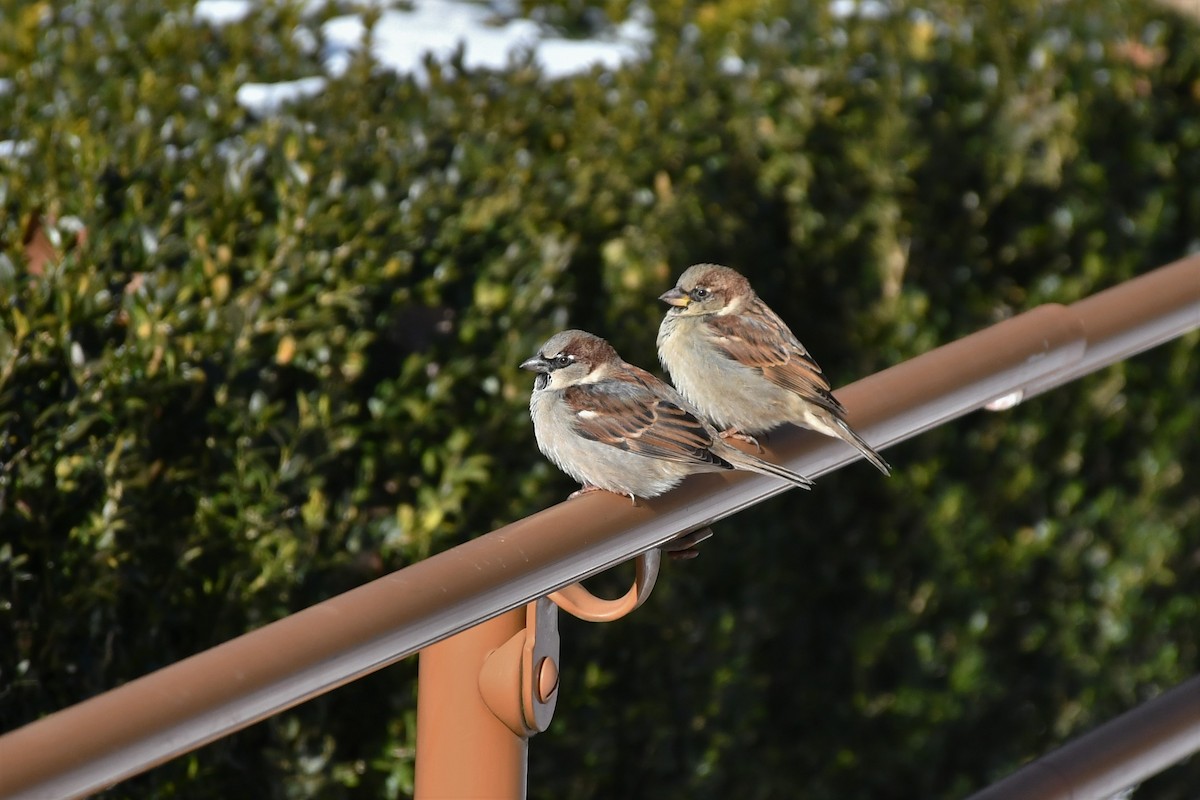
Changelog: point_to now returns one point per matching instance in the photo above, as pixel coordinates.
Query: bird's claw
(686, 547)
(588, 489)
(734, 433)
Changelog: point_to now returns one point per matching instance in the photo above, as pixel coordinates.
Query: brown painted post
(463, 750)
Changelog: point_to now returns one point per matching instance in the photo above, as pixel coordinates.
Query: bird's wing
(761, 341)
(640, 414)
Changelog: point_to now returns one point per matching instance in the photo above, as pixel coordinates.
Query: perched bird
(737, 362)
(613, 426)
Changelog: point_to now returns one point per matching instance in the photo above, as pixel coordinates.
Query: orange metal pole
(1133, 316)
(463, 750)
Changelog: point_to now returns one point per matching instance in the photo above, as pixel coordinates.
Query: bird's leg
(587, 488)
(734, 433)
(685, 547)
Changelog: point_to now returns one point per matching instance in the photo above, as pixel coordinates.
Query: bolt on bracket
(519, 679)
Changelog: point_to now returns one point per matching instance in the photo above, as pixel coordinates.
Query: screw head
(547, 679)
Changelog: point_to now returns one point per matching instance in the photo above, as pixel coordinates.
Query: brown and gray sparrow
(737, 362)
(613, 426)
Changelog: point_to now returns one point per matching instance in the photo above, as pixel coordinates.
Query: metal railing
(181, 707)
(1119, 754)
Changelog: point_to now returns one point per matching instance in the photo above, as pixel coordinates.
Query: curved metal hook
(577, 601)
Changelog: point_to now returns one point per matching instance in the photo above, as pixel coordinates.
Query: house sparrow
(736, 361)
(613, 426)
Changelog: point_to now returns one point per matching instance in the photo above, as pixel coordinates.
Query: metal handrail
(1119, 754)
(181, 707)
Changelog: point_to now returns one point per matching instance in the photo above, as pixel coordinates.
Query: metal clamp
(577, 601)
(519, 679)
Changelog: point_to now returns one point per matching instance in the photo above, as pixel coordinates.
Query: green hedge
(282, 362)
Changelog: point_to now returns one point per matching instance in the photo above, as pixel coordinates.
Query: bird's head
(570, 358)
(707, 289)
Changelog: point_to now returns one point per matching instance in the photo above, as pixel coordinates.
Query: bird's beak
(674, 297)
(535, 364)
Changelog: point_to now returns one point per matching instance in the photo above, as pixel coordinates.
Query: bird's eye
(561, 361)
(700, 293)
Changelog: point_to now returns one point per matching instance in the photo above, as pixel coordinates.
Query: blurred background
(267, 270)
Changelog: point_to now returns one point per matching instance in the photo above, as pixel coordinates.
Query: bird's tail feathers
(869, 453)
(754, 464)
